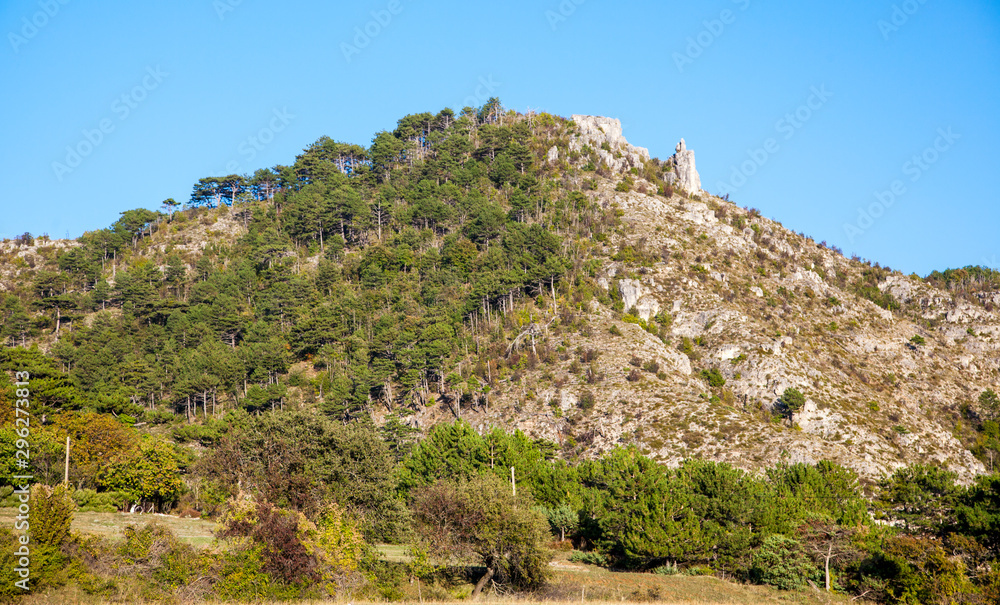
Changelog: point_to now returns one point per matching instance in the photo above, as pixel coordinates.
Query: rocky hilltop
(739, 297)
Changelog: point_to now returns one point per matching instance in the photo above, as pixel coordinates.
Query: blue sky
(871, 125)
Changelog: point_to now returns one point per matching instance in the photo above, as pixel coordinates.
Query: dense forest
(267, 379)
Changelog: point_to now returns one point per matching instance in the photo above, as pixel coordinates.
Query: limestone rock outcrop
(683, 173)
(634, 295)
(604, 135)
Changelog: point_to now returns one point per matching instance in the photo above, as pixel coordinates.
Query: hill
(523, 271)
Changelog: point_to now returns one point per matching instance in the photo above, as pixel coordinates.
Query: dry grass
(571, 582)
(75, 597)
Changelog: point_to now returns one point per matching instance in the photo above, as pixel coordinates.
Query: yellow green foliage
(292, 549)
(94, 439)
(51, 515)
(336, 542)
(148, 473)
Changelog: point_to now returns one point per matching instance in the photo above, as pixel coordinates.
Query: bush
(713, 377)
(276, 534)
(781, 562)
(918, 340)
(590, 557)
(670, 569)
(51, 515)
(8, 563)
(917, 570)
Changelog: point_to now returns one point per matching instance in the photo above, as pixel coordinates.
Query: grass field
(571, 582)
(577, 582)
(197, 532)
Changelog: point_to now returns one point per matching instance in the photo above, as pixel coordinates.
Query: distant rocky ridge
(604, 135)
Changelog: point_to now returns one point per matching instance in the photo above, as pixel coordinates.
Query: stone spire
(684, 174)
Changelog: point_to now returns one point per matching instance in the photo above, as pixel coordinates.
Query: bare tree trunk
(553, 286)
(829, 555)
(482, 582)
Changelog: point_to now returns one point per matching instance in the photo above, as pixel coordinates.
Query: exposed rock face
(631, 291)
(553, 155)
(634, 295)
(684, 174)
(604, 135)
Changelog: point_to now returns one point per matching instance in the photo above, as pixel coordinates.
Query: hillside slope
(676, 323)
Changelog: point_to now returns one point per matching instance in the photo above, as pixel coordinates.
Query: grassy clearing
(395, 553)
(581, 582)
(197, 532)
(576, 582)
(595, 584)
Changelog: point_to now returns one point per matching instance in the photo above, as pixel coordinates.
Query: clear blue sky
(200, 78)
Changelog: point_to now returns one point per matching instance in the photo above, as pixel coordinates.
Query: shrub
(781, 562)
(664, 319)
(51, 515)
(917, 570)
(918, 340)
(8, 563)
(590, 557)
(587, 401)
(593, 375)
(276, 534)
(687, 348)
(713, 377)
